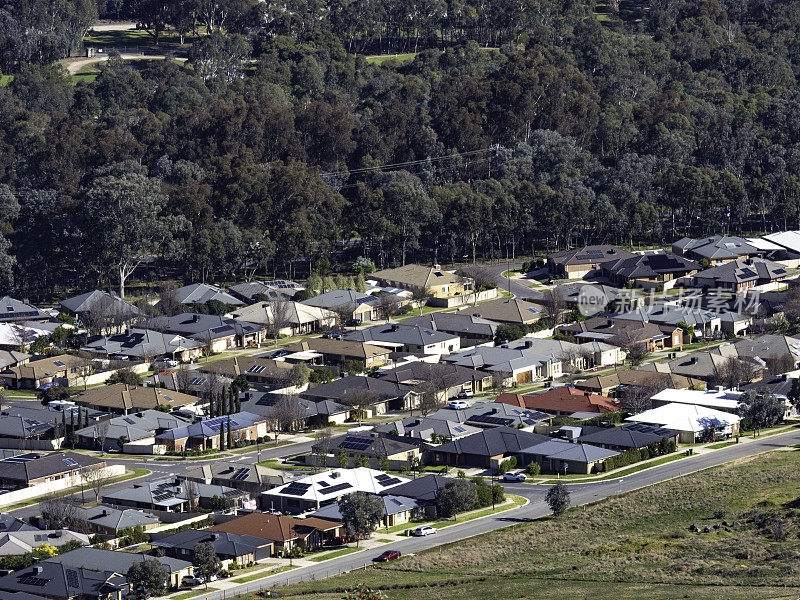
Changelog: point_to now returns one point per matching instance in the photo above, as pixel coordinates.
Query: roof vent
(335, 475)
(38, 570)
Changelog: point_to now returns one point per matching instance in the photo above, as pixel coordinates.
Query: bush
(484, 495)
(498, 494)
(508, 464)
(719, 513)
(533, 469)
(320, 376)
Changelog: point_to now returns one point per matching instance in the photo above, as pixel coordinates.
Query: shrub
(719, 513)
(533, 469)
(507, 465)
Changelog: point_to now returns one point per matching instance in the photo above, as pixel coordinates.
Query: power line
(410, 162)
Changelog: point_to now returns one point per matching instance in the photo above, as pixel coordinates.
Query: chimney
(693, 361)
(105, 512)
(395, 327)
(195, 318)
(38, 570)
(528, 343)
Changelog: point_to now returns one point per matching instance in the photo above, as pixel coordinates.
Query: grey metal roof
(334, 390)
(98, 559)
(563, 450)
(493, 442)
(225, 544)
(626, 436)
(392, 505)
(115, 518)
(35, 465)
(136, 426)
(336, 298)
(141, 343)
(456, 323)
(12, 309)
(400, 334)
(104, 303)
(165, 493)
(211, 427)
(200, 293)
(54, 579)
(421, 488)
(202, 327)
(424, 427)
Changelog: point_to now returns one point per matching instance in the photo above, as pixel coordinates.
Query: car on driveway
(388, 555)
(514, 477)
(465, 394)
(458, 405)
(424, 530)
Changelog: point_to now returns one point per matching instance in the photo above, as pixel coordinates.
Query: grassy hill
(634, 546)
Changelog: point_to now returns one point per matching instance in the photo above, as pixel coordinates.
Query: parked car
(458, 405)
(424, 530)
(388, 555)
(514, 477)
(341, 540)
(191, 581)
(165, 362)
(465, 394)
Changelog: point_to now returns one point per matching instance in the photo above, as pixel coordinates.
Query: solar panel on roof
(256, 368)
(356, 443)
(296, 489)
(389, 481)
(72, 579)
(336, 488)
(241, 474)
(129, 420)
(30, 580)
(69, 462)
(167, 398)
(198, 381)
(58, 363)
(40, 537)
(323, 484)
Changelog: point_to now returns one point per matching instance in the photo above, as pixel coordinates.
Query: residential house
(509, 311)
(284, 532)
(20, 336)
(562, 457)
(11, 523)
(107, 520)
(407, 338)
(308, 412)
(435, 281)
(430, 429)
(716, 249)
(623, 332)
(15, 543)
(360, 308)
(704, 366)
(215, 332)
(255, 291)
(201, 293)
(396, 510)
(327, 487)
(64, 369)
(511, 366)
(447, 380)
(53, 580)
(388, 394)
(336, 352)
(779, 386)
(741, 275)
(580, 356)
(204, 435)
(100, 309)
(137, 428)
(631, 436)
(573, 294)
(173, 494)
(784, 350)
(581, 262)
(249, 478)
(370, 446)
(717, 398)
(692, 421)
(256, 369)
(486, 449)
(562, 401)
(614, 384)
(706, 323)
(99, 560)
(230, 548)
(10, 358)
(123, 399)
(31, 421)
(649, 270)
(32, 468)
(15, 311)
(471, 330)
(298, 318)
(486, 415)
(145, 345)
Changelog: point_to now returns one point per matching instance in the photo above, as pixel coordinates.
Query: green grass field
(334, 554)
(637, 545)
(399, 59)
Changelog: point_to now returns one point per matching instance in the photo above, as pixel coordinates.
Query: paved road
(537, 508)
(506, 283)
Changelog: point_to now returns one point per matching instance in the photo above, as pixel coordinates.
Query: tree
(435, 380)
(343, 459)
(507, 333)
(206, 562)
(277, 317)
(361, 514)
(457, 496)
(287, 413)
(192, 494)
(360, 400)
(553, 305)
(101, 433)
(59, 512)
(322, 448)
(126, 376)
(97, 478)
(147, 578)
(761, 409)
(558, 499)
(299, 374)
(387, 306)
(124, 215)
(794, 393)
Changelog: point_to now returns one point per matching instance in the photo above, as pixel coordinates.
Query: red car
(388, 555)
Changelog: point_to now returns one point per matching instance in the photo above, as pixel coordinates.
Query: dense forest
(518, 127)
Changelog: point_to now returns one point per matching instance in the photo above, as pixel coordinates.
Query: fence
(464, 300)
(42, 489)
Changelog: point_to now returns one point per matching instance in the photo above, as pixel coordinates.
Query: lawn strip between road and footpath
(617, 474)
(511, 502)
(263, 574)
(335, 554)
(192, 594)
(702, 535)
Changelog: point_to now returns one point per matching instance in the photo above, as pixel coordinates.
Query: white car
(514, 477)
(165, 362)
(458, 405)
(423, 530)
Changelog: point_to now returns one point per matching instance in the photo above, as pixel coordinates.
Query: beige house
(299, 318)
(580, 262)
(435, 281)
(121, 398)
(335, 352)
(64, 369)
